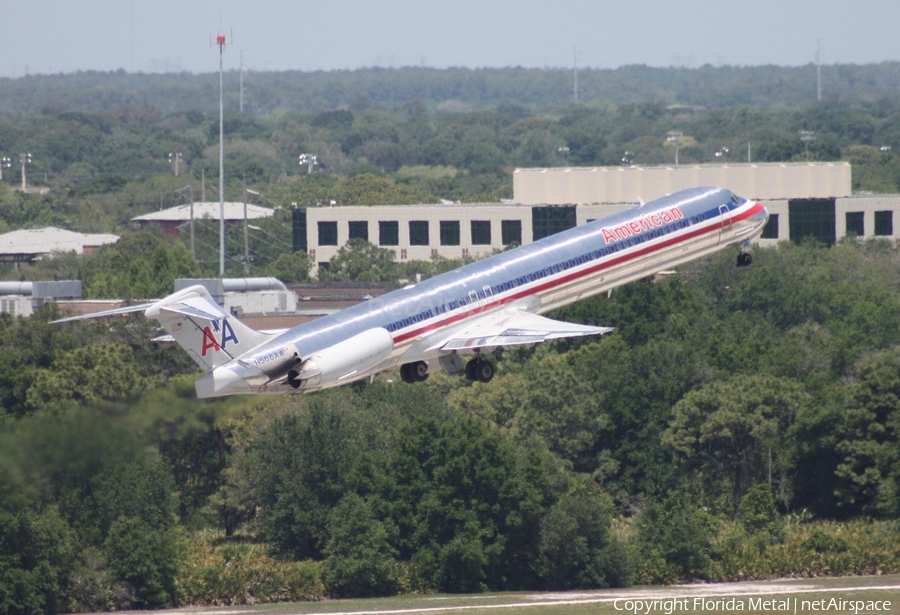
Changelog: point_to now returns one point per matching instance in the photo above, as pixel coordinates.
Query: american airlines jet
(469, 312)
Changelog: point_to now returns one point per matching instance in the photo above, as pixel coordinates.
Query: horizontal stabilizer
(130, 309)
(514, 327)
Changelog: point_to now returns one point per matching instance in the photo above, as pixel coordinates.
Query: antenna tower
(818, 70)
(220, 41)
(575, 71)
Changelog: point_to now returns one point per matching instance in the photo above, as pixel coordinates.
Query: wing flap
(514, 327)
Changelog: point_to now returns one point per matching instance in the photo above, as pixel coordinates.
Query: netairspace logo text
(785, 605)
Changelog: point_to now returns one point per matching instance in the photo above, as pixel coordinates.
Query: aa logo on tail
(225, 335)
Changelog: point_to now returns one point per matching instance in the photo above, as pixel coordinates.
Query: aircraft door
(725, 227)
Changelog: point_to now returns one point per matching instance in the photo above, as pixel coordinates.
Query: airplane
(471, 311)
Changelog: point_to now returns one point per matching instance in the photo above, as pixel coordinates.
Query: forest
(738, 424)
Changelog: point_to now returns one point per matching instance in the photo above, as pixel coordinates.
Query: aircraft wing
(512, 327)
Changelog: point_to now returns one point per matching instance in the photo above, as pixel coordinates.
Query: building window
(328, 233)
(812, 219)
(359, 230)
(770, 230)
(511, 232)
(884, 223)
(856, 223)
(403, 254)
(481, 232)
(389, 233)
(449, 232)
(418, 232)
(298, 229)
(547, 220)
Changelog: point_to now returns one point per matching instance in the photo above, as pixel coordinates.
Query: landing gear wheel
(744, 259)
(419, 371)
(414, 372)
(405, 374)
(484, 371)
(470, 368)
(480, 370)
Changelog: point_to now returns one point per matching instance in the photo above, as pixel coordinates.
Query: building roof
(33, 242)
(182, 213)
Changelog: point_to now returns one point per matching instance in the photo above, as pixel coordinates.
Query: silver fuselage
(549, 273)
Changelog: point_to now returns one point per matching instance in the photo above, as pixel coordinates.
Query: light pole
(806, 136)
(5, 163)
(175, 157)
(675, 137)
(310, 160)
(220, 41)
(25, 159)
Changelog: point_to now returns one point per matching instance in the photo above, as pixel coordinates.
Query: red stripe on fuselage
(717, 226)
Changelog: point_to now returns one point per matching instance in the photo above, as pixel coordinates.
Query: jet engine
(340, 363)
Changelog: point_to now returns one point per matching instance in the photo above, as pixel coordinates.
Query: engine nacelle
(341, 362)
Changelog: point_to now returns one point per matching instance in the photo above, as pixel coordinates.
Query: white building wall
(403, 215)
(633, 184)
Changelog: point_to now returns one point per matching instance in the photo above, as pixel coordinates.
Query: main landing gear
(744, 259)
(414, 372)
(477, 369)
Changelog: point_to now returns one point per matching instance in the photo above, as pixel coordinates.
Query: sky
(153, 36)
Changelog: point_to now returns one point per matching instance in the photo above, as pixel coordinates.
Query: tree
(89, 373)
(361, 261)
(465, 503)
(869, 472)
(673, 538)
(735, 429)
(577, 547)
(146, 560)
(290, 267)
(359, 560)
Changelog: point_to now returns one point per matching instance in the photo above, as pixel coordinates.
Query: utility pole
(246, 234)
(241, 104)
(575, 71)
(675, 137)
(193, 251)
(25, 159)
(818, 70)
(176, 158)
(220, 41)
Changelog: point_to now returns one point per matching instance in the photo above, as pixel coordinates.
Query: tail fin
(208, 333)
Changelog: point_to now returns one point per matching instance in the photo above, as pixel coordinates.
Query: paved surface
(886, 588)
